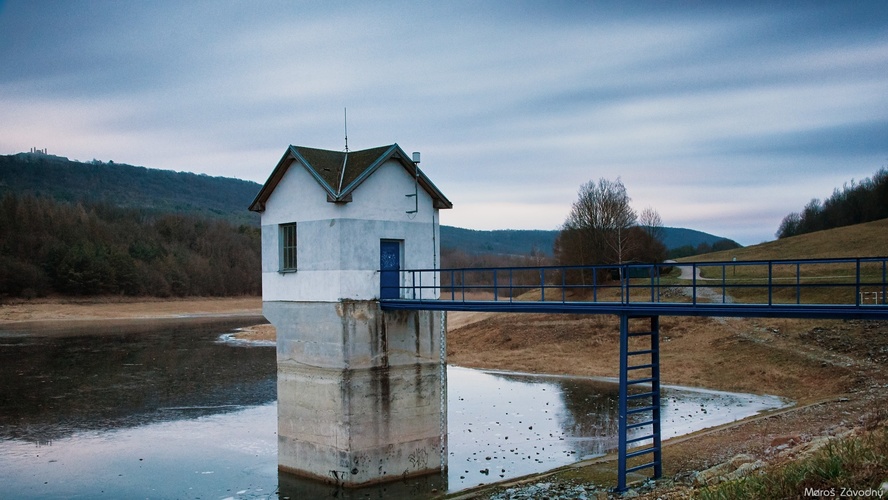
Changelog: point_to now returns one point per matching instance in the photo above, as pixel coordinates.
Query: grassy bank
(855, 466)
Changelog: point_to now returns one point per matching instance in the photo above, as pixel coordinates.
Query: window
(288, 247)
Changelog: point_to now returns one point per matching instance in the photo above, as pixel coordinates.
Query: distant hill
(129, 186)
(522, 242)
(165, 191)
(501, 242)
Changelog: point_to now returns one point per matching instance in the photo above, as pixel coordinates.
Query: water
(171, 409)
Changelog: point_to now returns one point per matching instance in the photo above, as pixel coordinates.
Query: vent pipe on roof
(415, 194)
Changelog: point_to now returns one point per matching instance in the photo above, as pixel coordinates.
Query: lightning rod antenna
(345, 110)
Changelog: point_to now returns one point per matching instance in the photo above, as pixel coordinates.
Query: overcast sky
(724, 117)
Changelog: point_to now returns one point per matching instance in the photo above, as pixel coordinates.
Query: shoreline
(124, 308)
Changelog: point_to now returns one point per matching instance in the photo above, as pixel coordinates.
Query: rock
(745, 470)
(786, 441)
(721, 472)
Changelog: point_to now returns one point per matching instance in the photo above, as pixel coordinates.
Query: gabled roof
(340, 172)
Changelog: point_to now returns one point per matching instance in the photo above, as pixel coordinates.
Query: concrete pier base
(359, 391)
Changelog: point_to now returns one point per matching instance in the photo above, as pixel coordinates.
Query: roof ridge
(342, 173)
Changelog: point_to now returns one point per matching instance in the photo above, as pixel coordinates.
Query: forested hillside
(147, 189)
(49, 246)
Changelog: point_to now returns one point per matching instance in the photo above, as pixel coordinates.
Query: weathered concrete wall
(359, 391)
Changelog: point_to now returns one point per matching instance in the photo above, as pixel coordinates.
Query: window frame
(288, 248)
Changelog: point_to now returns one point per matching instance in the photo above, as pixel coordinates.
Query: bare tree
(598, 224)
(650, 221)
(648, 245)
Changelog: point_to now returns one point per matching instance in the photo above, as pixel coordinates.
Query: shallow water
(169, 408)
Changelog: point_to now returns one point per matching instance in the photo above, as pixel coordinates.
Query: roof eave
(258, 204)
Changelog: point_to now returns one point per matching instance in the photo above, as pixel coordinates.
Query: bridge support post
(639, 409)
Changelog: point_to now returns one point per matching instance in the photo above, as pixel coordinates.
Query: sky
(722, 116)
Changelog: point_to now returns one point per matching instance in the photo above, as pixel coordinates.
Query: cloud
(707, 112)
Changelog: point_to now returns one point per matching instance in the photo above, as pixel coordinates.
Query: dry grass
(861, 240)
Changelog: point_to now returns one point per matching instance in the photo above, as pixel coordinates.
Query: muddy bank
(98, 308)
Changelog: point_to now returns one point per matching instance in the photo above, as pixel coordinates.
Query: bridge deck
(811, 288)
(824, 311)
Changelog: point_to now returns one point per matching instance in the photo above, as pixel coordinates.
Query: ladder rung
(640, 452)
(638, 353)
(639, 381)
(641, 410)
(639, 467)
(641, 334)
(642, 395)
(639, 424)
(640, 367)
(643, 438)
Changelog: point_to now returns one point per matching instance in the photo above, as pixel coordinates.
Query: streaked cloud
(724, 116)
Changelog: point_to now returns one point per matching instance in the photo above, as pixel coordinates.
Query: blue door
(389, 265)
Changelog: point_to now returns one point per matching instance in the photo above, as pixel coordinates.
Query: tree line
(856, 203)
(56, 247)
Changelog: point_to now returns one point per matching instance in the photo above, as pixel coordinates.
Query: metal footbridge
(852, 288)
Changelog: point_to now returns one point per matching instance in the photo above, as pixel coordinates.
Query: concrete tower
(359, 390)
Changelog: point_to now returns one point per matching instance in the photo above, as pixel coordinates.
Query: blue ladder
(646, 410)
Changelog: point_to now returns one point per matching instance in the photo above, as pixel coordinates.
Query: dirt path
(707, 293)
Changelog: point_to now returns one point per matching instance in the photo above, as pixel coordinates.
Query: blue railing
(744, 287)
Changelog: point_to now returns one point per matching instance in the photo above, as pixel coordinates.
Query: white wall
(338, 244)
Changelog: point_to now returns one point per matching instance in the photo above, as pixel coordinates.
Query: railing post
(694, 283)
(651, 272)
(770, 283)
(495, 290)
(798, 283)
(659, 271)
(594, 284)
(857, 282)
(884, 280)
(624, 284)
(542, 285)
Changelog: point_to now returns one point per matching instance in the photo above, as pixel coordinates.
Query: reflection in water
(105, 375)
(506, 425)
(166, 409)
